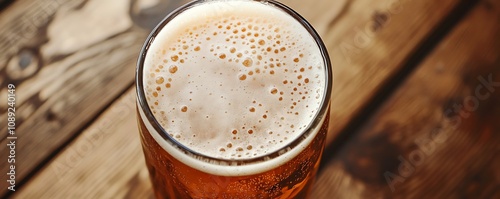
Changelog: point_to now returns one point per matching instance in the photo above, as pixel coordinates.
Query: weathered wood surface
(106, 161)
(438, 136)
(69, 60)
(367, 44)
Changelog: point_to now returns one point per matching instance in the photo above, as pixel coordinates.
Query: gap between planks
(391, 85)
(330, 40)
(455, 159)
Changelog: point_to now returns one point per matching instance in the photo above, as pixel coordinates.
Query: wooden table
(415, 110)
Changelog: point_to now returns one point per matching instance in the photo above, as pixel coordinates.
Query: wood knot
(368, 160)
(24, 64)
(379, 20)
(51, 116)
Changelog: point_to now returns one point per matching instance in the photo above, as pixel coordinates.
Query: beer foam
(234, 79)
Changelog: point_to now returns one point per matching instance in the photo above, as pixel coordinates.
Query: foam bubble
(225, 83)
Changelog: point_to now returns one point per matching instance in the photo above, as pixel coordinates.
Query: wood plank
(359, 73)
(438, 136)
(69, 60)
(106, 157)
(360, 35)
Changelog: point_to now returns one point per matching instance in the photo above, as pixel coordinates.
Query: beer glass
(233, 101)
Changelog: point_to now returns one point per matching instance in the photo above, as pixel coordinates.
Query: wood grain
(69, 60)
(106, 161)
(360, 67)
(369, 42)
(438, 136)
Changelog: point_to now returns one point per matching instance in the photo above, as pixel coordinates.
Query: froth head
(234, 80)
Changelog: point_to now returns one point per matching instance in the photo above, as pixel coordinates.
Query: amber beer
(233, 101)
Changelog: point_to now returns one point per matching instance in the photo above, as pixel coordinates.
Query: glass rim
(144, 106)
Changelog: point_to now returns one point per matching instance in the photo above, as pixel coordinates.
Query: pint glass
(233, 101)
